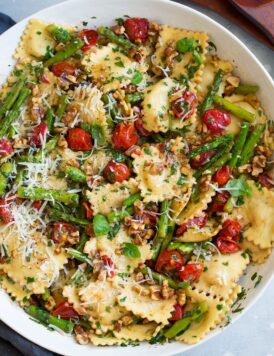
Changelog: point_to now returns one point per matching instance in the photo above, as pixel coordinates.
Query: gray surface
(253, 334)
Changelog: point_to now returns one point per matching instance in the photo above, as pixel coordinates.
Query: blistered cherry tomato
(89, 212)
(227, 245)
(219, 202)
(37, 204)
(38, 135)
(65, 310)
(265, 180)
(62, 230)
(191, 272)
(184, 107)
(124, 136)
(222, 176)
(169, 260)
(216, 120)
(197, 221)
(110, 266)
(201, 159)
(232, 227)
(136, 28)
(140, 128)
(63, 68)
(90, 37)
(6, 210)
(5, 147)
(116, 172)
(177, 313)
(79, 139)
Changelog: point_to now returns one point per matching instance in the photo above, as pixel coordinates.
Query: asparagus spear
(160, 278)
(121, 41)
(59, 33)
(78, 255)
(184, 247)
(113, 109)
(83, 239)
(116, 216)
(48, 194)
(169, 236)
(236, 110)
(14, 112)
(134, 98)
(162, 229)
(207, 104)
(56, 214)
(48, 319)
(182, 324)
(11, 97)
(63, 102)
(251, 142)
(49, 146)
(239, 144)
(75, 174)
(50, 118)
(70, 49)
(3, 184)
(246, 89)
(218, 141)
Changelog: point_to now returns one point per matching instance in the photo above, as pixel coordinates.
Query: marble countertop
(253, 334)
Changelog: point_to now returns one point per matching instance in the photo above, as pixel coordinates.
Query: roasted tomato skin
(124, 136)
(177, 313)
(38, 135)
(169, 260)
(232, 227)
(201, 159)
(79, 139)
(136, 28)
(265, 180)
(116, 172)
(65, 310)
(107, 262)
(5, 147)
(90, 37)
(219, 202)
(191, 272)
(5, 210)
(227, 245)
(88, 210)
(140, 127)
(197, 221)
(183, 108)
(216, 121)
(63, 68)
(61, 230)
(37, 204)
(222, 176)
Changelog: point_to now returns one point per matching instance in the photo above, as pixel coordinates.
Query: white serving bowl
(229, 47)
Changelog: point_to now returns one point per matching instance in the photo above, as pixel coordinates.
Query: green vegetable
(197, 57)
(162, 229)
(238, 187)
(239, 144)
(11, 97)
(184, 247)
(100, 225)
(218, 141)
(234, 109)
(48, 319)
(116, 216)
(131, 200)
(246, 89)
(3, 184)
(136, 78)
(96, 132)
(79, 256)
(7, 168)
(47, 194)
(62, 105)
(83, 239)
(208, 101)
(229, 206)
(161, 277)
(55, 214)
(75, 174)
(185, 45)
(70, 49)
(121, 41)
(50, 119)
(134, 98)
(251, 142)
(59, 33)
(131, 250)
(169, 236)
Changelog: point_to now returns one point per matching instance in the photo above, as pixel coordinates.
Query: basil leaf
(98, 134)
(137, 78)
(100, 225)
(131, 250)
(238, 187)
(185, 45)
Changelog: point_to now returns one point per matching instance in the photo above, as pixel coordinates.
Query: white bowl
(229, 47)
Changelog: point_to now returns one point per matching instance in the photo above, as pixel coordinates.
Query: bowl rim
(160, 348)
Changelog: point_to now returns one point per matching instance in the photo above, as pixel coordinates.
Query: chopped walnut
(153, 28)
(139, 54)
(73, 238)
(80, 335)
(205, 181)
(94, 181)
(37, 112)
(20, 143)
(263, 150)
(69, 117)
(258, 164)
(155, 292)
(138, 229)
(246, 168)
(141, 290)
(167, 292)
(73, 162)
(170, 53)
(127, 320)
(181, 297)
(118, 29)
(133, 150)
(118, 325)
(139, 277)
(62, 142)
(154, 168)
(50, 303)
(234, 81)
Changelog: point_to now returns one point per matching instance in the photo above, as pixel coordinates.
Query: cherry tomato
(232, 227)
(37, 204)
(79, 139)
(140, 128)
(5, 147)
(89, 212)
(63, 68)
(169, 261)
(90, 37)
(216, 120)
(219, 202)
(201, 159)
(184, 107)
(44, 79)
(177, 313)
(110, 266)
(191, 272)
(227, 245)
(116, 172)
(2, 260)
(124, 136)
(265, 180)
(136, 28)
(222, 176)
(65, 310)
(38, 135)
(5, 210)
(61, 230)
(196, 221)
